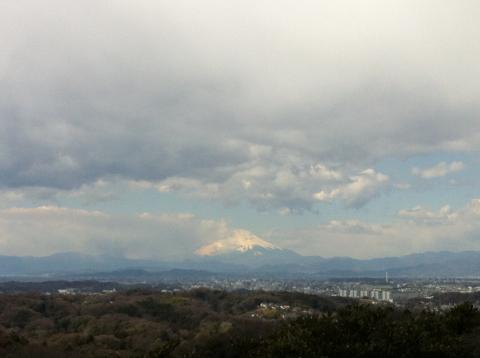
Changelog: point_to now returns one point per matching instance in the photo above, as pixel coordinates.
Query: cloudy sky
(152, 128)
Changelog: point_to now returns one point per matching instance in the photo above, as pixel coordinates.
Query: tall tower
(386, 277)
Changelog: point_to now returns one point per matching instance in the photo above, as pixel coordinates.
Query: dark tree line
(205, 323)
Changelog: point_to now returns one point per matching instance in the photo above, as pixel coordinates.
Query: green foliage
(205, 323)
(365, 331)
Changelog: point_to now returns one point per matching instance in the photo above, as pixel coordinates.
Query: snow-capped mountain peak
(240, 241)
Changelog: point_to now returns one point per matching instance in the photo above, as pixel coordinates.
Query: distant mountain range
(69, 262)
(247, 254)
(274, 260)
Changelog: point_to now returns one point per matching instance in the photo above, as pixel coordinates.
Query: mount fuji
(245, 248)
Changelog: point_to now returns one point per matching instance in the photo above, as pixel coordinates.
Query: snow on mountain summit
(240, 241)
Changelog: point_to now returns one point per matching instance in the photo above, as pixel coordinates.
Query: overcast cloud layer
(286, 105)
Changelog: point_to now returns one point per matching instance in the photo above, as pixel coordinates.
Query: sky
(151, 129)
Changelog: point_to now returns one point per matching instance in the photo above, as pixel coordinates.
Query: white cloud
(352, 227)
(417, 230)
(440, 170)
(280, 181)
(286, 183)
(418, 213)
(50, 229)
(359, 190)
(402, 186)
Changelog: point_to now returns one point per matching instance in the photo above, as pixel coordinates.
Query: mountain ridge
(257, 260)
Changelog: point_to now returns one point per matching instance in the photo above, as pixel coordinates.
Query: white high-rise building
(376, 294)
(353, 293)
(386, 296)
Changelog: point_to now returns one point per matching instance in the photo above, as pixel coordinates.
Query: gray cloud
(222, 95)
(439, 170)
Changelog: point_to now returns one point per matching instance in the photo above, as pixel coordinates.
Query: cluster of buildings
(268, 310)
(76, 291)
(375, 294)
